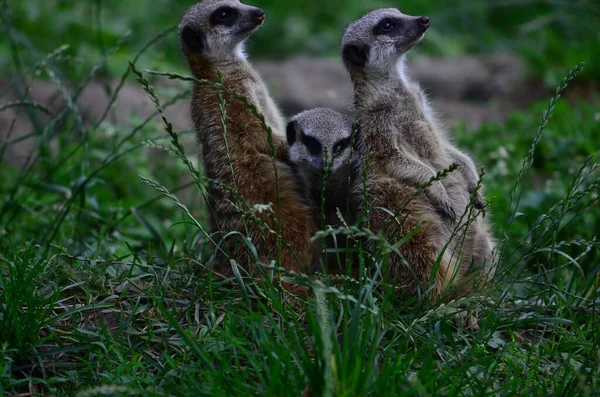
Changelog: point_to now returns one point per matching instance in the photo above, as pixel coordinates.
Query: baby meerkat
(320, 145)
(319, 141)
(242, 162)
(400, 148)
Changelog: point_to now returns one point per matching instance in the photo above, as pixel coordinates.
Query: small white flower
(109, 130)
(502, 168)
(260, 208)
(503, 152)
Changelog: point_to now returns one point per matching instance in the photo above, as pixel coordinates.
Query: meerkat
(467, 167)
(320, 145)
(400, 150)
(242, 162)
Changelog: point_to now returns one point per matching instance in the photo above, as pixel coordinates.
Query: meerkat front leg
(469, 172)
(408, 168)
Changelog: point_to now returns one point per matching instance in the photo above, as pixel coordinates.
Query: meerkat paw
(443, 203)
(445, 209)
(479, 202)
(448, 212)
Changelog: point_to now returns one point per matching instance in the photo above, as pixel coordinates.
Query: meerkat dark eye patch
(226, 16)
(389, 27)
(312, 144)
(355, 54)
(193, 39)
(341, 145)
(291, 132)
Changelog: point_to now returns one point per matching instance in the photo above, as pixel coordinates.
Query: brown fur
(410, 271)
(260, 177)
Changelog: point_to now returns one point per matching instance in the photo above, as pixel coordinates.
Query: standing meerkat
(400, 148)
(319, 143)
(243, 161)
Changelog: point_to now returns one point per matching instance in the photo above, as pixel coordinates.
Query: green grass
(104, 288)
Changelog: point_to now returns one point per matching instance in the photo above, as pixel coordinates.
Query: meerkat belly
(420, 140)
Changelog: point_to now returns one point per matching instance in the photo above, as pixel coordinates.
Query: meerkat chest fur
(259, 94)
(231, 135)
(400, 104)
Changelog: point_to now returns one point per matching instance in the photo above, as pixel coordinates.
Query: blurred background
(549, 34)
(489, 66)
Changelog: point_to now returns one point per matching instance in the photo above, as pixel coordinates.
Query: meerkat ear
(355, 54)
(193, 39)
(291, 132)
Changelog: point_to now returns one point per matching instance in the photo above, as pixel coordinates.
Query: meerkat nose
(259, 14)
(425, 22)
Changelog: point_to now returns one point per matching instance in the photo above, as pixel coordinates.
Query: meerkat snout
(425, 22)
(255, 19)
(259, 15)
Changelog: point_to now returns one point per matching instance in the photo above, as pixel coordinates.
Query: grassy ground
(104, 290)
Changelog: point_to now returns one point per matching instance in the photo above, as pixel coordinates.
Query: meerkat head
(215, 30)
(376, 42)
(319, 137)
